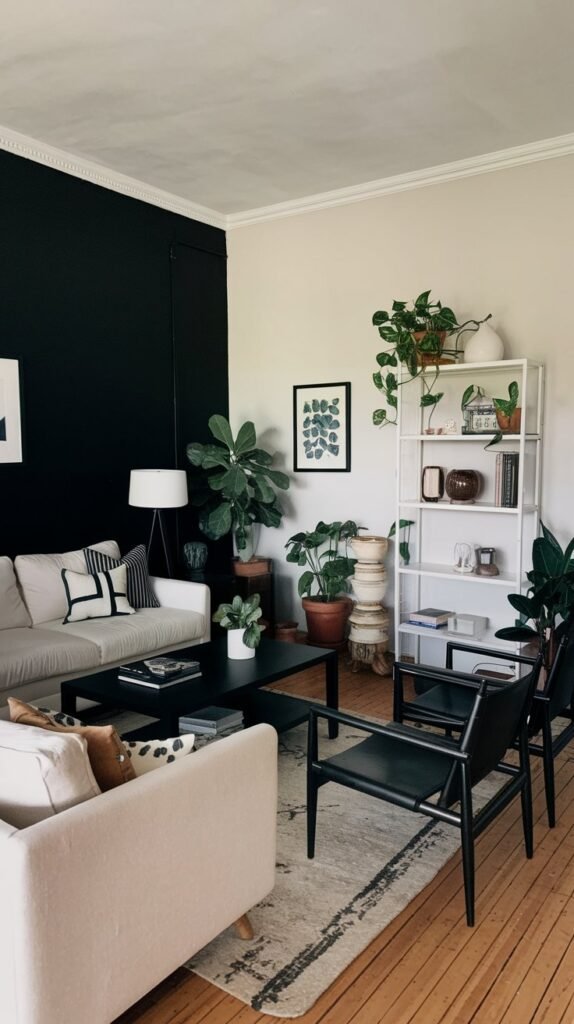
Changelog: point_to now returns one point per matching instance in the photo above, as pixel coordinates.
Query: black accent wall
(118, 312)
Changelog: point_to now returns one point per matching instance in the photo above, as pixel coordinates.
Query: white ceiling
(238, 104)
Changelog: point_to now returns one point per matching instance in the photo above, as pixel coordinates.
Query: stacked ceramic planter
(369, 620)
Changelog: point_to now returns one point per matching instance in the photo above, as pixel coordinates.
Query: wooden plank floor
(516, 966)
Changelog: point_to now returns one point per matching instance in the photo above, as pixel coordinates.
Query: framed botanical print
(10, 411)
(322, 428)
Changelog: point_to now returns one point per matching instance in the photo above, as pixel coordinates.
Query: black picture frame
(320, 446)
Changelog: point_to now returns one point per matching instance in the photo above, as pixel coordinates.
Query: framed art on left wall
(10, 411)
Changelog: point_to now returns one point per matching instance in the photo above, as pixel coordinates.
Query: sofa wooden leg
(243, 927)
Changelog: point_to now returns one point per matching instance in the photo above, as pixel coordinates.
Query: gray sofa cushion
(149, 629)
(27, 655)
(13, 611)
(40, 577)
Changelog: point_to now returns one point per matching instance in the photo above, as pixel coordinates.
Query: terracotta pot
(509, 424)
(326, 620)
(286, 631)
(254, 567)
(463, 485)
(431, 358)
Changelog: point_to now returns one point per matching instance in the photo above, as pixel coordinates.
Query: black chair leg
(526, 794)
(312, 790)
(548, 761)
(467, 848)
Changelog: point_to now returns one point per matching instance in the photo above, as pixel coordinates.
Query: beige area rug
(371, 859)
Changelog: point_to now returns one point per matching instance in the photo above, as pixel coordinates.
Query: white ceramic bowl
(365, 591)
(369, 548)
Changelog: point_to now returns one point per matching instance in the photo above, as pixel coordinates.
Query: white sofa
(102, 901)
(38, 652)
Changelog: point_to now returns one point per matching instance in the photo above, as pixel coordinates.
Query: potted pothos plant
(508, 412)
(550, 596)
(324, 553)
(243, 630)
(236, 486)
(416, 335)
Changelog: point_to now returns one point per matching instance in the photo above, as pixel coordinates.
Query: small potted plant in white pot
(243, 630)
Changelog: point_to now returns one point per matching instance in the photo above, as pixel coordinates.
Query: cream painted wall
(302, 291)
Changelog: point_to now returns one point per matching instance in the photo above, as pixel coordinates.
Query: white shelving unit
(429, 578)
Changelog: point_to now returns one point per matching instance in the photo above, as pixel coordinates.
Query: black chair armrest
(442, 675)
(414, 737)
(488, 652)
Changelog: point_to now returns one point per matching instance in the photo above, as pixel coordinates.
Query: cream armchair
(104, 900)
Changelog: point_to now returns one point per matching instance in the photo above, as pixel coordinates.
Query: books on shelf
(159, 673)
(212, 721)
(431, 618)
(506, 480)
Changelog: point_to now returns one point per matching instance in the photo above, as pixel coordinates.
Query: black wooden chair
(406, 766)
(449, 707)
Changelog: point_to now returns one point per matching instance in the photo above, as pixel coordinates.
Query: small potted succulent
(243, 630)
(508, 412)
(328, 570)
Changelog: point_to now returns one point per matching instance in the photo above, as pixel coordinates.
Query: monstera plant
(550, 597)
(236, 486)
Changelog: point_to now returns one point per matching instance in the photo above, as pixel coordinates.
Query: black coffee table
(223, 681)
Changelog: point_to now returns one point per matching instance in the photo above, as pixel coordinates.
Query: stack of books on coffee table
(212, 721)
(159, 672)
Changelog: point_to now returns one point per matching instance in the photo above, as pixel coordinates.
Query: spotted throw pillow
(149, 754)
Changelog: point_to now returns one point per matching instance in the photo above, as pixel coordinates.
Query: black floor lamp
(158, 489)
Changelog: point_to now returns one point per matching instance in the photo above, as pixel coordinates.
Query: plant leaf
(246, 438)
(221, 430)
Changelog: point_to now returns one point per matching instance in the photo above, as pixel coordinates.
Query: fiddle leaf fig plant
(550, 596)
(236, 487)
(328, 567)
(416, 336)
(242, 614)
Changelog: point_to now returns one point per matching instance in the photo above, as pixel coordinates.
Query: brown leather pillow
(110, 762)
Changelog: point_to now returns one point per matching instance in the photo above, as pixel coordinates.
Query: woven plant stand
(373, 656)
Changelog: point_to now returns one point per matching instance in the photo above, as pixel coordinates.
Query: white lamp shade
(158, 488)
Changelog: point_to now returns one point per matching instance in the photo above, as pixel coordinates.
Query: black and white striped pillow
(140, 594)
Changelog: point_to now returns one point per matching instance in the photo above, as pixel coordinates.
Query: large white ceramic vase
(236, 649)
(484, 346)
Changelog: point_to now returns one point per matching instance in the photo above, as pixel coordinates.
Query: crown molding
(546, 149)
(97, 174)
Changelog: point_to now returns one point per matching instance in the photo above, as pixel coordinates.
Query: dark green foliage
(242, 615)
(319, 550)
(397, 329)
(550, 596)
(404, 550)
(236, 484)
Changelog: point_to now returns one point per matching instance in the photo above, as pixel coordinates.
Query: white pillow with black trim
(140, 593)
(98, 595)
(149, 754)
